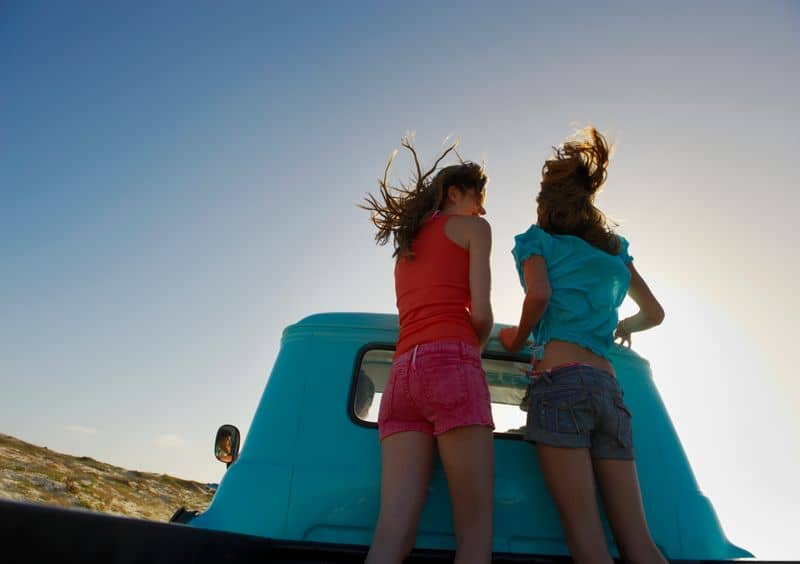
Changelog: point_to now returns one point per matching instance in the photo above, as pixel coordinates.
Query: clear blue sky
(179, 183)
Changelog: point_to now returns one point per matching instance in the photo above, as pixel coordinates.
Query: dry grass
(37, 474)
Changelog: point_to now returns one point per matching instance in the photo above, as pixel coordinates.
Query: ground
(37, 474)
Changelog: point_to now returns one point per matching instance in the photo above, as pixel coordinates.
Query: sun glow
(718, 387)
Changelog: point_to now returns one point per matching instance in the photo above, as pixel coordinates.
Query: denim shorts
(433, 388)
(580, 406)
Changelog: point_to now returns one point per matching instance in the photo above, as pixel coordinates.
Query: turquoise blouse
(587, 286)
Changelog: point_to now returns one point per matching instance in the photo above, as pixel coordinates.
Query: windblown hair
(406, 208)
(570, 181)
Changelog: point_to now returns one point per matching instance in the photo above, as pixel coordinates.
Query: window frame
(385, 346)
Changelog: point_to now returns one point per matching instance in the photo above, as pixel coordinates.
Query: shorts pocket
(385, 410)
(476, 378)
(445, 385)
(624, 431)
(525, 402)
(395, 395)
(559, 410)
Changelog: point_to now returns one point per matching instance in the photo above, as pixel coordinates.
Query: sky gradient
(179, 182)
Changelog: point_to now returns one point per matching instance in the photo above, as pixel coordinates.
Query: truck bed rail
(40, 533)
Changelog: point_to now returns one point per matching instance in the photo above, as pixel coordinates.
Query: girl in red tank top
(433, 294)
(436, 395)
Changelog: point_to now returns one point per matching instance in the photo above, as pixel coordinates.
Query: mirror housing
(226, 444)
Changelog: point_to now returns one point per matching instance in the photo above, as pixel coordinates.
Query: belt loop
(414, 357)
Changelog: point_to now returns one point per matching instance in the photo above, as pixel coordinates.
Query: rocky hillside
(32, 473)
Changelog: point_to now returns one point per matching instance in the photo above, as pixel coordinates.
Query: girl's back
(587, 285)
(433, 292)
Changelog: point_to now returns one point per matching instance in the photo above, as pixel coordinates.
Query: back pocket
(445, 385)
(559, 410)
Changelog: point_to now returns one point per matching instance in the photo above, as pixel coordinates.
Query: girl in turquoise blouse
(576, 272)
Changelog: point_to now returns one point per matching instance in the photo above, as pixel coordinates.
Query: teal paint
(307, 471)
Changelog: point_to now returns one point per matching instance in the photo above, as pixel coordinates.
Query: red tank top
(433, 297)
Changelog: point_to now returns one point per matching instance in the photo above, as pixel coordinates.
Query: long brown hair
(407, 207)
(570, 181)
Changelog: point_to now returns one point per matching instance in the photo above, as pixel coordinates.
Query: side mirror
(226, 445)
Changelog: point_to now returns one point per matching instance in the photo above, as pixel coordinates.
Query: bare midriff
(558, 352)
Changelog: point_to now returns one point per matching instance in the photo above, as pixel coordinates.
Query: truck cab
(309, 469)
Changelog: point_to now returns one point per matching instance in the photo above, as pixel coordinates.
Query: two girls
(575, 271)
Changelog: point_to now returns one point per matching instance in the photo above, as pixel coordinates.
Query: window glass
(506, 378)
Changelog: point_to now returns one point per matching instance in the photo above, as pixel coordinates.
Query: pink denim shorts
(433, 388)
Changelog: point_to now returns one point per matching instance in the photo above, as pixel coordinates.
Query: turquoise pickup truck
(305, 486)
(310, 468)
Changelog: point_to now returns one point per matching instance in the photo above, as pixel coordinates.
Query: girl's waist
(557, 354)
(426, 331)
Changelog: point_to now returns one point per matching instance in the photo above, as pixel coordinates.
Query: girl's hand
(623, 335)
(507, 336)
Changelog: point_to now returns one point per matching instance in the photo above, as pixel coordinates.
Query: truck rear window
(506, 378)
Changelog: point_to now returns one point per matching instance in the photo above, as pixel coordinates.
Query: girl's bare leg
(406, 459)
(569, 478)
(467, 455)
(619, 485)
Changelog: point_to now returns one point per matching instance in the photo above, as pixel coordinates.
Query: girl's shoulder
(467, 230)
(534, 241)
(470, 220)
(473, 225)
(624, 252)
